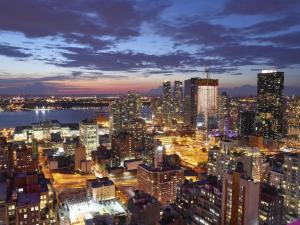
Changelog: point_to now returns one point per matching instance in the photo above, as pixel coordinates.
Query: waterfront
(23, 118)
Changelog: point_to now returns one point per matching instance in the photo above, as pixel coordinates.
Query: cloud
(256, 7)
(83, 22)
(273, 25)
(121, 61)
(242, 55)
(190, 30)
(12, 51)
(286, 40)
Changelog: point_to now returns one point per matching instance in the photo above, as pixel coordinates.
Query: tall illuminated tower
(178, 100)
(134, 105)
(88, 135)
(223, 113)
(167, 101)
(190, 101)
(270, 106)
(207, 102)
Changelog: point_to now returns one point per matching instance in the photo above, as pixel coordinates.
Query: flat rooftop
(80, 211)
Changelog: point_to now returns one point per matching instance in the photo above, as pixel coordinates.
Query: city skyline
(111, 47)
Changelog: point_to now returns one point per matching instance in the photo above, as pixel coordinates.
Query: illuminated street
(191, 151)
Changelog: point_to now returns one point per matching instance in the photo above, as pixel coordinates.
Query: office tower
(270, 107)
(101, 189)
(247, 123)
(143, 209)
(190, 101)
(157, 109)
(160, 182)
(207, 109)
(159, 154)
(116, 120)
(88, 135)
(293, 122)
(167, 102)
(69, 146)
(23, 160)
(133, 105)
(178, 101)
(213, 157)
(223, 113)
(122, 146)
(276, 178)
(137, 129)
(226, 158)
(271, 209)
(200, 202)
(291, 184)
(240, 199)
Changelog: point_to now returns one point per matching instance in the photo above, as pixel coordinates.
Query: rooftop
(28, 199)
(99, 182)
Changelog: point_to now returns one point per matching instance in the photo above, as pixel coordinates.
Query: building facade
(270, 105)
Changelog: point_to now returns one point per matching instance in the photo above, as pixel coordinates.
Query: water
(23, 118)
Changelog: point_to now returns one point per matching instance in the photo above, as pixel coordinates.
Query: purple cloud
(12, 51)
(255, 7)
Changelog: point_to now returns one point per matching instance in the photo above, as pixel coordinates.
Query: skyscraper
(160, 182)
(223, 113)
(293, 121)
(207, 109)
(240, 200)
(178, 100)
(116, 117)
(167, 102)
(133, 105)
(190, 101)
(291, 184)
(88, 135)
(270, 121)
(247, 123)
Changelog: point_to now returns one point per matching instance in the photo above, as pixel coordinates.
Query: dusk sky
(112, 46)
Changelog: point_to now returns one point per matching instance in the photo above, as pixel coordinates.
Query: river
(23, 118)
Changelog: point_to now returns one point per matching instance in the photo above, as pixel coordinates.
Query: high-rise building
(229, 155)
(271, 209)
(291, 184)
(190, 101)
(157, 109)
(207, 110)
(137, 129)
(270, 107)
(223, 113)
(293, 122)
(167, 102)
(116, 120)
(133, 105)
(240, 199)
(247, 123)
(101, 189)
(88, 134)
(178, 100)
(143, 209)
(160, 182)
(23, 160)
(200, 202)
(122, 145)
